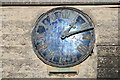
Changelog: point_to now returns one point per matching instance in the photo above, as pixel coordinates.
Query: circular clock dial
(63, 37)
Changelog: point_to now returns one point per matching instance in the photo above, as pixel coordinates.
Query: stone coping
(57, 2)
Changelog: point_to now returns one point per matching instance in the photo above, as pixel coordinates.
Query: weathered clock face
(63, 37)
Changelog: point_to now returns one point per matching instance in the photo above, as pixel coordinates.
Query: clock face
(63, 37)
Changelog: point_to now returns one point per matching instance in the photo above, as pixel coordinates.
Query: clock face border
(83, 58)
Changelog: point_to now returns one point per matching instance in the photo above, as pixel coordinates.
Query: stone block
(108, 50)
(18, 67)
(16, 27)
(17, 52)
(106, 25)
(88, 68)
(119, 73)
(0, 63)
(108, 62)
(0, 75)
(119, 62)
(1, 72)
(107, 73)
(17, 39)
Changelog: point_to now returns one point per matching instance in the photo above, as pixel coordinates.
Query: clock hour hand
(71, 25)
(67, 31)
(75, 32)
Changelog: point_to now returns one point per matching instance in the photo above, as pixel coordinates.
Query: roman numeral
(82, 49)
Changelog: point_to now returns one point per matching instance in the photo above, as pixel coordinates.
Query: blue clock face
(63, 37)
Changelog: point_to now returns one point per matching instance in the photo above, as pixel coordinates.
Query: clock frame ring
(60, 8)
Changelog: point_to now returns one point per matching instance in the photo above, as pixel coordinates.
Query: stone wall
(19, 60)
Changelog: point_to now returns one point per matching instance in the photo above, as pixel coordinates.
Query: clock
(63, 37)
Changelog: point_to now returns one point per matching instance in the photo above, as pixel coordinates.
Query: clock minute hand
(79, 31)
(67, 34)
